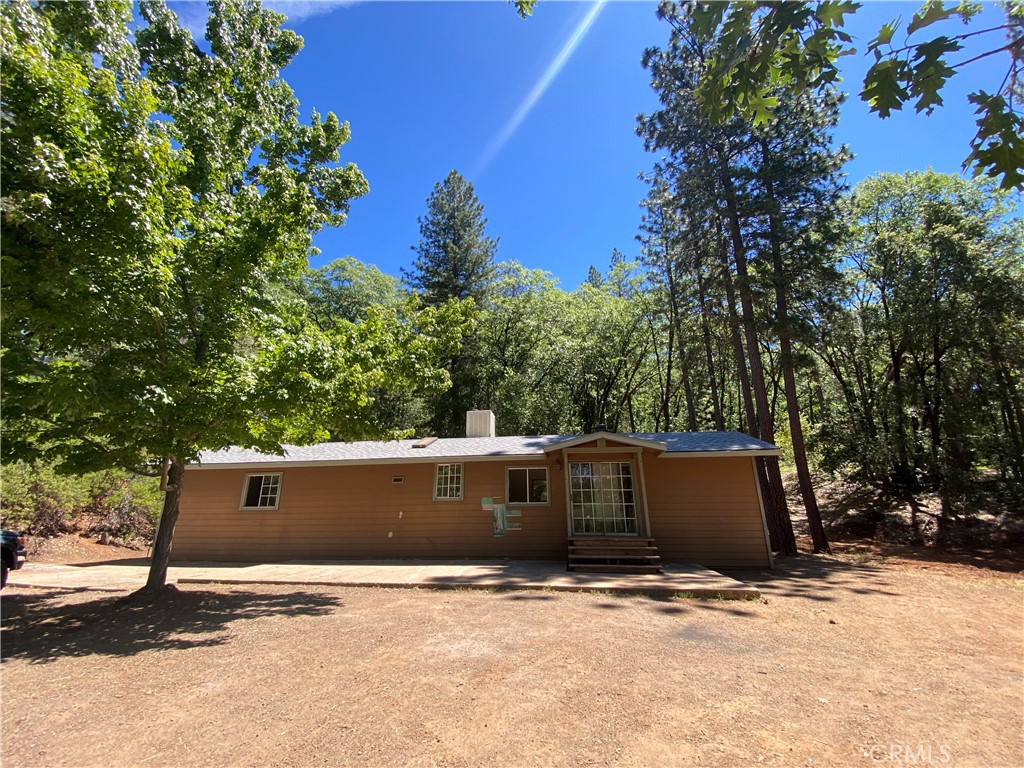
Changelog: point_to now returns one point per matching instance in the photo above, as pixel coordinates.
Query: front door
(603, 502)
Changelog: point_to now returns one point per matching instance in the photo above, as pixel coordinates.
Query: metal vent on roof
(423, 442)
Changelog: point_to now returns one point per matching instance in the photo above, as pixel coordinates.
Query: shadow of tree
(987, 532)
(41, 629)
(817, 577)
(528, 596)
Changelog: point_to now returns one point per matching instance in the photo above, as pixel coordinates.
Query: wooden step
(610, 541)
(641, 557)
(612, 551)
(595, 568)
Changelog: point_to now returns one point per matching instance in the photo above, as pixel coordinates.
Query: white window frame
(245, 491)
(592, 500)
(462, 481)
(547, 482)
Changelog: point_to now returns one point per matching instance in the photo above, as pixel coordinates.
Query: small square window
(528, 485)
(448, 482)
(261, 491)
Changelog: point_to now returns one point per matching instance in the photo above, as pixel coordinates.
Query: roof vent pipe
(479, 424)
(602, 427)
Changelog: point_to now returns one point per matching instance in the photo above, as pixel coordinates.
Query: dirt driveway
(848, 662)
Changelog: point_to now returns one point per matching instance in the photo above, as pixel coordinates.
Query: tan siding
(346, 512)
(702, 510)
(705, 510)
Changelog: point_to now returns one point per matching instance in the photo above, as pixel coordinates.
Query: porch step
(625, 557)
(612, 551)
(614, 541)
(594, 568)
(607, 554)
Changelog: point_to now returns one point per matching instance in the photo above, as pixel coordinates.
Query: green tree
(404, 343)
(710, 165)
(155, 197)
(929, 362)
(345, 289)
(455, 261)
(454, 257)
(522, 349)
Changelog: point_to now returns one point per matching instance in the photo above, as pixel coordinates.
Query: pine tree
(454, 258)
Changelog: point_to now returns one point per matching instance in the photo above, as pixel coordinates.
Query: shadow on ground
(817, 577)
(38, 628)
(870, 521)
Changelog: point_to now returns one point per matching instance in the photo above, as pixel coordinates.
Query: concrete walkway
(678, 580)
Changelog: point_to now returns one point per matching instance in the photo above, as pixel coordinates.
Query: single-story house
(681, 496)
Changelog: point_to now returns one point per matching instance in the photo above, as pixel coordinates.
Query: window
(261, 491)
(448, 482)
(527, 485)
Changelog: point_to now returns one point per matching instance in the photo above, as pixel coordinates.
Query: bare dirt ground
(861, 659)
(72, 548)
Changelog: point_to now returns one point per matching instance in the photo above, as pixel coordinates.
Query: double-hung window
(261, 491)
(527, 485)
(448, 482)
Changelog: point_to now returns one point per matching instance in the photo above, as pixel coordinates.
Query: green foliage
(454, 258)
(455, 262)
(41, 502)
(144, 234)
(345, 289)
(524, 7)
(38, 501)
(759, 50)
(927, 350)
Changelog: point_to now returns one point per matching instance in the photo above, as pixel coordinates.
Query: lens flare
(542, 84)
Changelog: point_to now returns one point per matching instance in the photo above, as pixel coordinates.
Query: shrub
(41, 502)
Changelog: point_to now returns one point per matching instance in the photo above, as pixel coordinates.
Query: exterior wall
(701, 510)
(357, 511)
(706, 510)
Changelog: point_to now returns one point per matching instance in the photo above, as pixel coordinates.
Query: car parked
(12, 554)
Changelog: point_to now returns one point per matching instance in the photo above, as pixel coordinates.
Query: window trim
(245, 492)
(462, 481)
(547, 480)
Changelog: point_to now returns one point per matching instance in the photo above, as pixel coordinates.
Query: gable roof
(615, 437)
(671, 444)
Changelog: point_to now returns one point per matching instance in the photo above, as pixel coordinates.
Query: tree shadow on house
(45, 626)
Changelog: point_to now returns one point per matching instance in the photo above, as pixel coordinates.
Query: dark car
(12, 554)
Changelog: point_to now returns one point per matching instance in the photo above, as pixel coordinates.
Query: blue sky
(552, 153)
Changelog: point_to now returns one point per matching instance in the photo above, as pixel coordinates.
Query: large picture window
(527, 485)
(448, 482)
(261, 491)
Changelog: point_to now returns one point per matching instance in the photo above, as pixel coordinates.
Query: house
(631, 498)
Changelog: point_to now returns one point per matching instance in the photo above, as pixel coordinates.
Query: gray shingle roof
(469, 448)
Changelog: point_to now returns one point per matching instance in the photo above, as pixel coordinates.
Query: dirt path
(844, 664)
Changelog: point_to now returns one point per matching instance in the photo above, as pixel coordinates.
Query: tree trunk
(737, 342)
(165, 531)
(691, 408)
(777, 502)
(716, 402)
(903, 475)
(796, 432)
